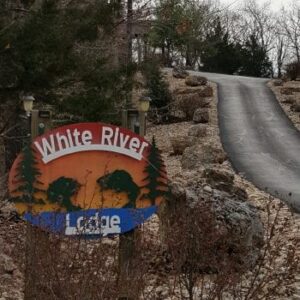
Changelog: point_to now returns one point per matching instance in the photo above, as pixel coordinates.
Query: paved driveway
(260, 140)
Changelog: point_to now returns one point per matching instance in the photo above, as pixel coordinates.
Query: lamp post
(28, 104)
(144, 104)
(39, 121)
(28, 101)
(143, 107)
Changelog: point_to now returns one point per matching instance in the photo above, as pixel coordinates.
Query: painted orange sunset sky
(86, 167)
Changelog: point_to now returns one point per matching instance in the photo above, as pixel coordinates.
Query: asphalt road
(261, 142)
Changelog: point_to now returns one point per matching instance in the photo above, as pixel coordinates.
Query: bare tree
(290, 21)
(281, 44)
(259, 21)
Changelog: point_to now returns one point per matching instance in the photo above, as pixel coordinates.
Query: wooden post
(142, 122)
(127, 240)
(34, 236)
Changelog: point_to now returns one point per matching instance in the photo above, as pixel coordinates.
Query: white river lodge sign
(89, 178)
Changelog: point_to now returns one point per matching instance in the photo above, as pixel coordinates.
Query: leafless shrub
(78, 268)
(197, 263)
(206, 268)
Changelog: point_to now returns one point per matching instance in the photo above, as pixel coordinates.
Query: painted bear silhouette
(120, 182)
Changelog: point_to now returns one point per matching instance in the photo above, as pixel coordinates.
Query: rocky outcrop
(289, 90)
(200, 155)
(180, 143)
(199, 130)
(296, 106)
(289, 100)
(206, 92)
(195, 80)
(189, 103)
(201, 115)
(216, 177)
(231, 226)
(179, 72)
(278, 82)
(223, 180)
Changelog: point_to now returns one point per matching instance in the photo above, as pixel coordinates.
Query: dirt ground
(12, 233)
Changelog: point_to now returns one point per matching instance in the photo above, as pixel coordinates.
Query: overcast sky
(276, 4)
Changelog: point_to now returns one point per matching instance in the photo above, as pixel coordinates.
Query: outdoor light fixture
(144, 104)
(28, 104)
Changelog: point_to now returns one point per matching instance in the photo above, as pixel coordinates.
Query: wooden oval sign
(88, 178)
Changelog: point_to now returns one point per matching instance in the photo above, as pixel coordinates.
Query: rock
(178, 191)
(289, 100)
(180, 143)
(193, 80)
(189, 103)
(179, 72)
(233, 227)
(187, 90)
(201, 115)
(223, 180)
(8, 212)
(7, 264)
(296, 106)
(215, 176)
(207, 189)
(199, 130)
(278, 82)
(286, 91)
(202, 154)
(206, 92)
(289, 90)
(240, 193)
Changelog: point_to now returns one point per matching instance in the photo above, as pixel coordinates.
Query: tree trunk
(129, 31)
(168, 54)
(188, 62)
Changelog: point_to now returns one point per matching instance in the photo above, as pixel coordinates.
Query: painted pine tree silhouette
(61, 191)
(156, 179)
(120, 181)
(27, 176)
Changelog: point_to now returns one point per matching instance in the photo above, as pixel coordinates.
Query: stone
(187, 90)
(200, 155)
(179, 72)
(180, 143)
(214, 176)
(207, 189)
(177, 190)
(296, 106)
(201, 115)
(278, 82)
(286, 91)
(239, 229)
(193, 80)
(223, 180)
(7, 264)
(240, 193)
(289, 100)
(289, 90)
(199, 130)
(7, 210)
(189, 103)
(206, 92)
